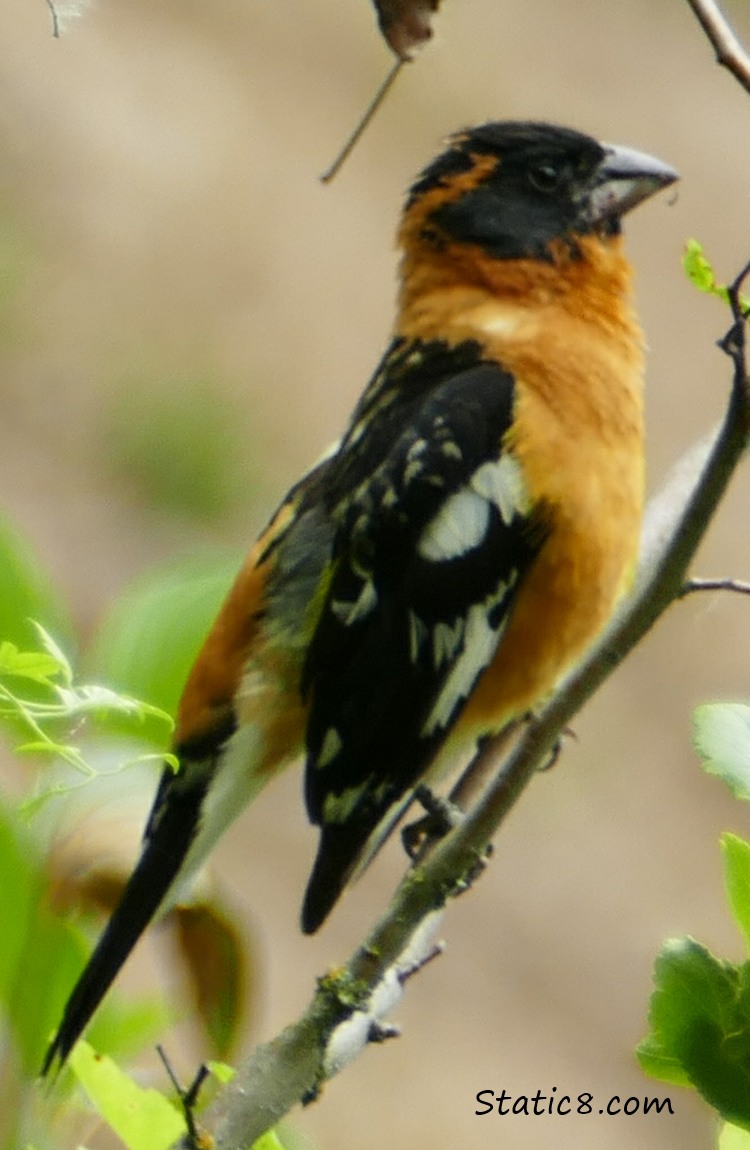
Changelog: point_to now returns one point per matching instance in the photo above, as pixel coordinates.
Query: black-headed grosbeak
(431, 579)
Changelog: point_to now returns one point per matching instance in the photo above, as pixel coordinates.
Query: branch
(729, 51)
(55, 22)
(716, 585)
(347, 1010)
(364, 121)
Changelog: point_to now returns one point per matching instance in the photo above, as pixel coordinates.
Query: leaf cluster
(74, 740)
(700, 1009)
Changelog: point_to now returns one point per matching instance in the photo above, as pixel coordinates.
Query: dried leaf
(406, 24)
(218, 967)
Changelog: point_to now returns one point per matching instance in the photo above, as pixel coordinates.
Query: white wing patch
(348, 612)
(480, 643)
(501, 482)
(415, 460)
(461, 523)
(459, 526)
(446, 640)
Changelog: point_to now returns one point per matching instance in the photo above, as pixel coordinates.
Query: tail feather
(167, 844)
(345, 850)
(339, 849)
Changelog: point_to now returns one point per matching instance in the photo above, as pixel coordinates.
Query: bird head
(521, 190)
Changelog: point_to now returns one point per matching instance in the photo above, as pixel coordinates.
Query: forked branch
(729, 51)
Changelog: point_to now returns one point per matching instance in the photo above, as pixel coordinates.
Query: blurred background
(187, 316)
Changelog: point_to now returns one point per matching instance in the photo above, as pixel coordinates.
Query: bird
(433, 576)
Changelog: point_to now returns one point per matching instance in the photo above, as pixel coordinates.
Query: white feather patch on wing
(348, 612)
(446, 640)
(480, 643)
(501, 482)
(459, 526)
(462, 522)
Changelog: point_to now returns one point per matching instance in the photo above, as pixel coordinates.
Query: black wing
(433, 532)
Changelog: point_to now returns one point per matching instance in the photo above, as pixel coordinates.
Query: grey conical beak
(625, 178)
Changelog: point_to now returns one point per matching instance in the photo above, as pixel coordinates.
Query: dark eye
(545, 177)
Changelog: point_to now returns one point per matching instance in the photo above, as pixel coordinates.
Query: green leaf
(55, 652)
(52, 958)
(18, 893)
(732, 1138)
(149, 641)
(701, 274)
(143, 1119)
(123, 1029)
(721, 732)
(655, 1061)
(40, 958)
(35, 665)
(39, 718)
(25, 593)
(700, 1019)
(222, 1071)
(737, 881)
(268, 1141)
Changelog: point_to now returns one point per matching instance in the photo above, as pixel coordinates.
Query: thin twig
(55, 22)
(715, 585)
(370, 111)
(188, 1098)
(729, 51)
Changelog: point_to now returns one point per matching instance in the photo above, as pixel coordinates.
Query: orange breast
(579, 437)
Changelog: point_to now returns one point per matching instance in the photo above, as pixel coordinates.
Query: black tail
(339, 850)
(345, 850)
(169, 834)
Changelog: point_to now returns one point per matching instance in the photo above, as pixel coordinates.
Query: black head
(514, 187)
